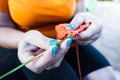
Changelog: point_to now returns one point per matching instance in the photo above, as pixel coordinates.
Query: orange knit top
(40, 15)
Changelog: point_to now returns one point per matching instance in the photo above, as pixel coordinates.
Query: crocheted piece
(63, 31)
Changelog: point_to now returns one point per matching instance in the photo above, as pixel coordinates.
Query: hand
(34, 43)
(89, 35)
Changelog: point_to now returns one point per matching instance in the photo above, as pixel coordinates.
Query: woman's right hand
(34, 43)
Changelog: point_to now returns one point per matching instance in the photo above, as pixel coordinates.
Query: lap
(90, 59)
(9, 60)
(64, 72)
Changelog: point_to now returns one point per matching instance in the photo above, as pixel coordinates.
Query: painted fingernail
(53, 42)
(69, 41)
(54, 50)
(70, 26)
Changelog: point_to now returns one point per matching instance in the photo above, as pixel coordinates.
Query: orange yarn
(63, 31)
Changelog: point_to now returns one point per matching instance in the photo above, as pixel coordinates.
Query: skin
(26, 42)
(18, 38)
(9, 40)
(17, 35)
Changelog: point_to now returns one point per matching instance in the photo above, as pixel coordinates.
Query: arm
(9, 36)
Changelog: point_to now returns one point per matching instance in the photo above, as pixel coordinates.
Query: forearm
(9, 37)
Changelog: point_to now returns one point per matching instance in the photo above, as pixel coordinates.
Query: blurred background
(108, 11)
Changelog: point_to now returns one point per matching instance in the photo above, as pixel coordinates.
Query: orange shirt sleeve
(4, 6)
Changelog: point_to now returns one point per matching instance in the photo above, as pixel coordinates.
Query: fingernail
(53, 42)
(69, 41)
(54, 50)
(70, 26)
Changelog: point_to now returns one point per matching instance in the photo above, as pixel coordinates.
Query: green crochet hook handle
(25, 63)
(20, 66)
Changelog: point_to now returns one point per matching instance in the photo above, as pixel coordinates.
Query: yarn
(63, 32)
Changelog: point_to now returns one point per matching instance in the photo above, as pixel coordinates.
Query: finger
(61, 52)
(41, 43)
(84, 42)
(76, 22)
(55, 65)
(35, 65)
(96, 36)
(93, 29)
(23, 55)
(64, 47)
(37, 39)
(47, 59)
(88, 41)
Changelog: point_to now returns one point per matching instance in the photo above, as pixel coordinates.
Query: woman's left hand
(92, 33)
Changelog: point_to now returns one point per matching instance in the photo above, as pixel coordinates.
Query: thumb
(76, 22)
(36, 38)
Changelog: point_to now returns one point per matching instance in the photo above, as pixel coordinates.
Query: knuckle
(57, 65)
(87, 35)
(37, 71)
(32, 31)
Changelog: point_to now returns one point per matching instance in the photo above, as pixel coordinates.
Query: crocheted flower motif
(63, 31)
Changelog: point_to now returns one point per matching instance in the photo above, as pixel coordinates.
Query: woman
(30, 26)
